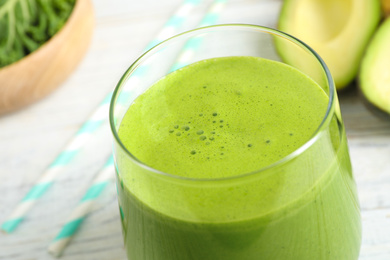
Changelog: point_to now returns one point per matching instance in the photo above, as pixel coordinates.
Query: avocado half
(338, 30)
(374, 76)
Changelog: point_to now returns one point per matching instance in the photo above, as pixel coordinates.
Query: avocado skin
(374, 76)
(343, 72)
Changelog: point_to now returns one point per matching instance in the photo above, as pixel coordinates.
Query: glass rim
(285, 159)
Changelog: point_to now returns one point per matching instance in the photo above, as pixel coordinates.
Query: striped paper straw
(193, 44)
(84, 207)
(88, 128)
(57, 166)
(78, 215)
(171, 27)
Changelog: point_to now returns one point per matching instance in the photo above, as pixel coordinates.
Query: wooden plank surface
(31, 138)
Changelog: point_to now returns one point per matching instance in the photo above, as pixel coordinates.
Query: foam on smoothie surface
(223, 117)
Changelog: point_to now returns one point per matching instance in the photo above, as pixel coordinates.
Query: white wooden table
(31, 138)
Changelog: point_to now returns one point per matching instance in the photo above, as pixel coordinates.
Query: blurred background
(32, 137)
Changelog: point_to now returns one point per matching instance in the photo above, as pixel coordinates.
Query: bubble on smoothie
(213, 132)
(178, 134)
(200, 114)
(171, 131)
(249, 145)
(215, 114)
(211, 138)
(291, 134)
(176, 126)
(268, 141)
(199, 132)
(193, 152)
(221, 121)
(202, 138)
(186, 128)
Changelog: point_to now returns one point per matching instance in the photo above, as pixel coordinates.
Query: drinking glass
(310, 210)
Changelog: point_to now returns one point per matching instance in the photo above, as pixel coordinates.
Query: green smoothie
(212, 130)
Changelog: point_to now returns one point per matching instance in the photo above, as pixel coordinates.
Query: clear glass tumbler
(302, 206)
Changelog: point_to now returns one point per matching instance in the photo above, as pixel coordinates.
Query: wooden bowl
(39, 73)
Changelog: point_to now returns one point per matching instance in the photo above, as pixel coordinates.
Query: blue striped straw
(86, 131)
(193, 44)
(78, 215)
(84, 207)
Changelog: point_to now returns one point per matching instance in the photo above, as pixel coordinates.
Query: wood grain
(31, 138)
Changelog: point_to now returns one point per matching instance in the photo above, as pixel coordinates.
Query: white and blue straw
(193, 44)
(88, 128)
(83, 208)
(79, 214)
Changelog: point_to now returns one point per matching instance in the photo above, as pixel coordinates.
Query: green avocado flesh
(374, 75)
(338, 30)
